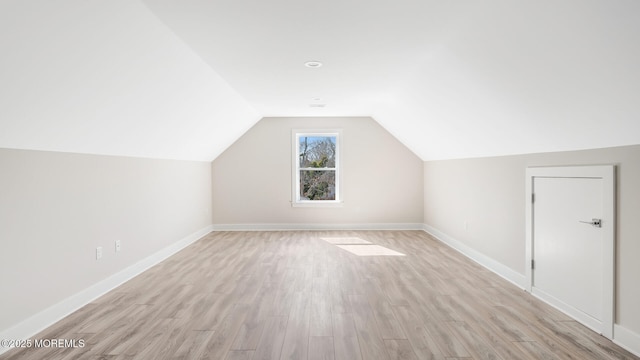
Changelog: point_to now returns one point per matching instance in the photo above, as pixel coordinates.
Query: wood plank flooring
(291, 295)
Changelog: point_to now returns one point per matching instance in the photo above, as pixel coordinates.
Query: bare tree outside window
(317, 167)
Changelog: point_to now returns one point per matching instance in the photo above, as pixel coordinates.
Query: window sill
(319, 204)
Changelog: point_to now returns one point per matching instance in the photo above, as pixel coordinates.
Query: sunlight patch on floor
(369, 250)
(345, 240)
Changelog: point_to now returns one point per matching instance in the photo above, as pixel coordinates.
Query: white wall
(382, 179)
(489, 195)
(56, 208)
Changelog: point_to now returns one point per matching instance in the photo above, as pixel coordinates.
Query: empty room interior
(345, 180)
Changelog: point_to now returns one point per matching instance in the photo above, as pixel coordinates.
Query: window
(316, 167)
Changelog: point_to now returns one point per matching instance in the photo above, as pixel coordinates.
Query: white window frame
(295, 178)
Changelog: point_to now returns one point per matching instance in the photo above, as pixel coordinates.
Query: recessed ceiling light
(317, 105)
(313, 64)
(316, 99)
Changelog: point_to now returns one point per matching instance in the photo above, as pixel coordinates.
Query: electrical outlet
(118, 247)
(98, 252)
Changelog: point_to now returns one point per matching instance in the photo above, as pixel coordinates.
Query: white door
(571, 246)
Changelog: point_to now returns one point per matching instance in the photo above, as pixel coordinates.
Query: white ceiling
(451, 79)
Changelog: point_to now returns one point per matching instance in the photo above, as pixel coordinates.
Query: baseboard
(293, 227)
(503, 271)
(42, 320)
(627, 339)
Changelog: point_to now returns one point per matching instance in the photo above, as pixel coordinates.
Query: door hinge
(533, 197)
(532, 265)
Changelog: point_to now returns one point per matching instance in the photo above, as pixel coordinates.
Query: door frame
(607, 174)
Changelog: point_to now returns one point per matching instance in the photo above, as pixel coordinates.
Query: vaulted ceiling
(450, 79)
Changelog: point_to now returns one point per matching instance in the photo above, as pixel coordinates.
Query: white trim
(499, 269)
(627, 339)
(47, 317)
(584, 318)
(607, 174)
(318, 204)
(294, 227)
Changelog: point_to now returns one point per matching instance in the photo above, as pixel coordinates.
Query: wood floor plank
(251, 329)
(216, 308)
(291, 295)
(339, 302)
(347, 348)
(592, 339)
(371, 343)
(239, 355)
(270, 345)
(535, 350)
(543, 337)
(136, 333)
(150, 343)
(423, 344)
(343, 325)
(296, 340)
(450, 345)
(387, 323)
(321, 348)
(105, 316)
(220, 343)
(321, 321)
(400, 350)
(476, 346)
(194, 345)
(115, 335)
(490, 324)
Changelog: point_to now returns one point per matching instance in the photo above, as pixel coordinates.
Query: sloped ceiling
(107, 77)
(450, 79)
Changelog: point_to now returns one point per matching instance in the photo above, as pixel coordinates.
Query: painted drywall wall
(488, 195)
(56, 208)
(381, 178)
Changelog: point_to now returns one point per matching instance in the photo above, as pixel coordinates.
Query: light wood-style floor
(291, 295)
